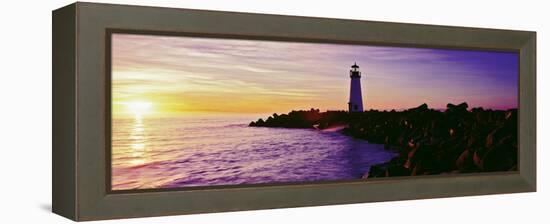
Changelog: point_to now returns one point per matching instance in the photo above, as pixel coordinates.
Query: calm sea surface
(222, 150)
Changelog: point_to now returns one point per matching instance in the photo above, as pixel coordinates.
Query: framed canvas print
(199, 111)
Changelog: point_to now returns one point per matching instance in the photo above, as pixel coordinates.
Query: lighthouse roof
(355, 65)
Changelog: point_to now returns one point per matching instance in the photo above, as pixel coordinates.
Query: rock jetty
(428, 141)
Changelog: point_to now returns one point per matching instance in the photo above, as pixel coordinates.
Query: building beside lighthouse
(355, 103)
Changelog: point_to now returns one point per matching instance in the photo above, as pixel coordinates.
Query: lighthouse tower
(355, 103)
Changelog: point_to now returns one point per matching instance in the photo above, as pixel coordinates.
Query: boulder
(460, 108)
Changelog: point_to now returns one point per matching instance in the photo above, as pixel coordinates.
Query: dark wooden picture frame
(81, 110)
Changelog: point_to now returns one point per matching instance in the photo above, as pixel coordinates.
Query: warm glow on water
(222, 150)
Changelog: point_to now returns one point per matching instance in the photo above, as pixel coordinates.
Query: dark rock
(423, 107)
(375, 171)
(460, 108)
(465, 162)
(477, 160)
(397, 171)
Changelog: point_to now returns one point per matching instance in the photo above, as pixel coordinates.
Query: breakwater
(428, 141)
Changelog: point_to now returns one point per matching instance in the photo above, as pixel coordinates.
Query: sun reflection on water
(138, 144)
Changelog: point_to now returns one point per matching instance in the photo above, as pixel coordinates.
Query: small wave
(235, 125)
(334, 128)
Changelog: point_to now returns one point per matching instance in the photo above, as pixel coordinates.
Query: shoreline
(428, 141)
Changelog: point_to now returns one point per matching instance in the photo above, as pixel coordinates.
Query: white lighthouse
(355, 103)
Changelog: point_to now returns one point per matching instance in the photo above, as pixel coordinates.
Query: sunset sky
(164, 75)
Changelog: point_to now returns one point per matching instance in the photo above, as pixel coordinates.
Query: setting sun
(138, 108)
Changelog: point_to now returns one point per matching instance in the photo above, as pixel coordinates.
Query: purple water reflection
(213, 150)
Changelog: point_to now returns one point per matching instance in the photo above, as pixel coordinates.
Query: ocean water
(213, 150)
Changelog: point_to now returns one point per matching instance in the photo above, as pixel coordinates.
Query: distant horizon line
(210, 112)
